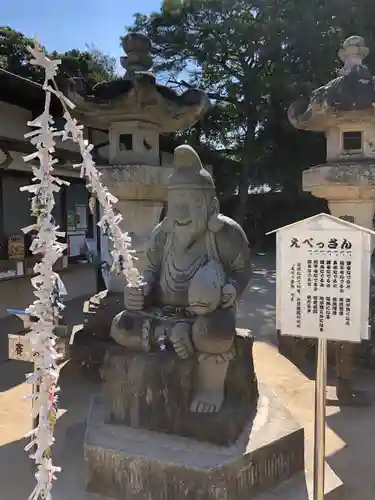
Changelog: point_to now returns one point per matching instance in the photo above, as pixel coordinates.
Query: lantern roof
(136, 96)
(348, 98)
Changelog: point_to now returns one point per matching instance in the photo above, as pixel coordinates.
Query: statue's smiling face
(188, 211)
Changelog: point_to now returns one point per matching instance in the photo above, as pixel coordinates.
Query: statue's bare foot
(207, 402)
(209, 396)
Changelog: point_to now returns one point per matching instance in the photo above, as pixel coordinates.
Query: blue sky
(71, 24)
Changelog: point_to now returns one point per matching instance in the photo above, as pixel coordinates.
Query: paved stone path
(350, 434)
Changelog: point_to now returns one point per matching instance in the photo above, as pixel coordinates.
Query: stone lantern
(344, 109)
(136, 111)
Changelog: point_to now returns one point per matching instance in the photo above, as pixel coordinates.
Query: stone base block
(135, 464)
(154, 390)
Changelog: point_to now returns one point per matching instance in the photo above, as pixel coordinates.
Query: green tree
(232, 49)
(201, 39)
(91, 64)
(14, 56)
(254, 59)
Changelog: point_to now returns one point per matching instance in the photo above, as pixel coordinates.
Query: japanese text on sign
(332, 247)
(321, 278)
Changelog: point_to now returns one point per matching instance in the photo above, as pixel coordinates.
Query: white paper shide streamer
(47, 307)
(122, 253)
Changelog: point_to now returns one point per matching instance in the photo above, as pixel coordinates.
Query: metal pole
(320, 420)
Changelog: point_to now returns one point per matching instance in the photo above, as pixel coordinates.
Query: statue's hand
(229, 295)
(180, 338)
(134, 296)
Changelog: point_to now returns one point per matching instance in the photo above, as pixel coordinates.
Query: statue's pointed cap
(189, 172)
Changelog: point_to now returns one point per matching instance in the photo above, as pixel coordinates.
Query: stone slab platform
(135, 464)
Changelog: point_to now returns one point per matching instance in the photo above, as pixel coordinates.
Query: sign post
(322, 288)
(320, 420)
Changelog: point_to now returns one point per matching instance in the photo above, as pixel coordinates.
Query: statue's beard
(185, 236)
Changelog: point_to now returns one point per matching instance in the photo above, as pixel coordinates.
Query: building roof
(64, 155)
(25, 93)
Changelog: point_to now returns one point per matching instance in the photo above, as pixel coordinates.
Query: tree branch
(211, 95)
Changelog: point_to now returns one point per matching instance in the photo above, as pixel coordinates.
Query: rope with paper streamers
(46, 308)
(122, 253)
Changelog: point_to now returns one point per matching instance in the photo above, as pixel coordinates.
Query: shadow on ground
(354, 464)
(257, 307)
(13, 373)
(76, 392)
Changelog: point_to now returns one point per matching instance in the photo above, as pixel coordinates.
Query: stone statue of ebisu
(198, 265)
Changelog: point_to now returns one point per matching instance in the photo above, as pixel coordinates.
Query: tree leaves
(91, 64)
(254, 58)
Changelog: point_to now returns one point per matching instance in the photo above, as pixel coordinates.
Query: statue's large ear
(214, 222)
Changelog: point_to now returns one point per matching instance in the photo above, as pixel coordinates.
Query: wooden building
(21, 100)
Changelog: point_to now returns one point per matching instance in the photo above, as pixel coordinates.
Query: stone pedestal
(154, 390)
(136, 464)
(142, 441)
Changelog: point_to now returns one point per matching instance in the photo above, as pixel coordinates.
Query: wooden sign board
(16, 247)
(323, 279)
(20, 349)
